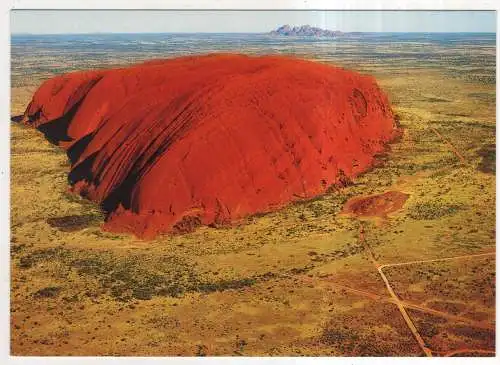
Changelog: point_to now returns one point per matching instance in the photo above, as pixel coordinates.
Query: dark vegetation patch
(331, 336)
(137, 276)
(352, 333)
(21, 151)
(440, 173)
(448, 307)
(433, 210)
(186, 225)
(314, 215)
(466, 136)
(440, 334)
(484, 96)
(405, 166)
(481, 79)
(140, 276)
(473, 354)
(16, 248)
(72, 223)
(433, 99)
(17, 118)
(477, 334)
(460, 125)
(427, 325)
(488, 161)
(33, 258)
(48, 292)
(458, 114)
(225, 285)
(442, 281)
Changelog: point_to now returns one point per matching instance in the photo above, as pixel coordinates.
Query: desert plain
(408, 272)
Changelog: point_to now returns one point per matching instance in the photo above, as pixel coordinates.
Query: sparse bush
(488, 162)
(48, 292)
(433, 210)
(73, 223)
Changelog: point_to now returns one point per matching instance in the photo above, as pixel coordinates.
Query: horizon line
(344, 32)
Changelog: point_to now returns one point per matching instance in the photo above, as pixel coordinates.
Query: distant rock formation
(305, 31)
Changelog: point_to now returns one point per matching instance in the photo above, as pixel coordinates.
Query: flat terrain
(311, 279)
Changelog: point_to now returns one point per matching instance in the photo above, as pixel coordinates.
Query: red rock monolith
(167, 145)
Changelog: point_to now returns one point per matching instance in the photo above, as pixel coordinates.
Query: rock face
(305, 31)
(167, 145)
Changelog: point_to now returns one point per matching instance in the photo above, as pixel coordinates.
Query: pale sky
(158, 21)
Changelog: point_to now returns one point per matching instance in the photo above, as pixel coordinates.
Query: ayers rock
(167, 145)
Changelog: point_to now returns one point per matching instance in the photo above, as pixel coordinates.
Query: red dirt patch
(375, 205)
(167, 145)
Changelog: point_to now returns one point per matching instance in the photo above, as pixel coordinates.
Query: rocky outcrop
(305, 31)
(168, 145)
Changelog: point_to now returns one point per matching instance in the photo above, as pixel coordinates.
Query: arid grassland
(310, 279)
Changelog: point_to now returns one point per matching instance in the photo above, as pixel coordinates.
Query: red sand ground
(379, 205)
(168, 145)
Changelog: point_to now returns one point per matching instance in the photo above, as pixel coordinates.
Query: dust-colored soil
(294, 282)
